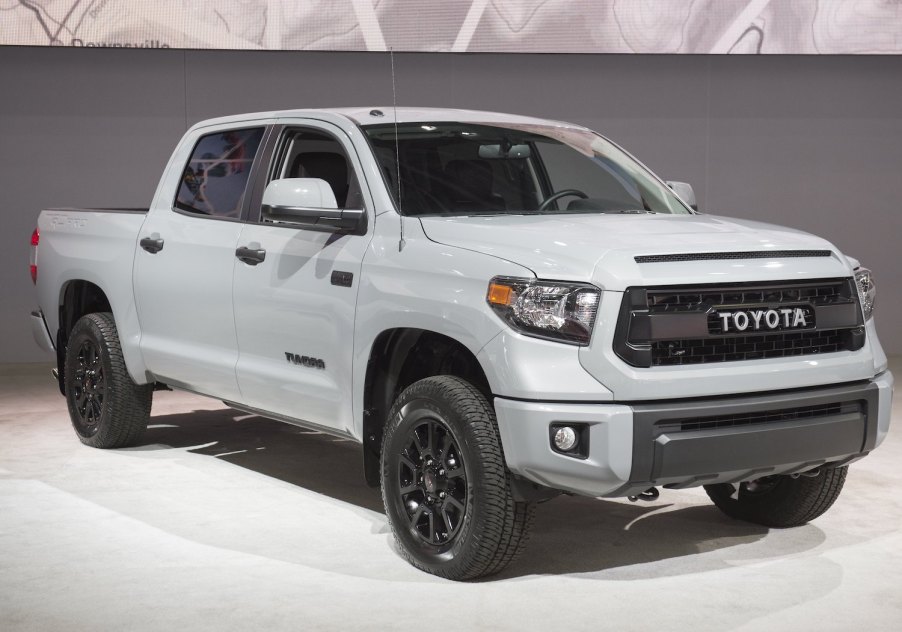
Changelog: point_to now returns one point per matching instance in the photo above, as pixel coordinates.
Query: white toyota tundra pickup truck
(497, 308)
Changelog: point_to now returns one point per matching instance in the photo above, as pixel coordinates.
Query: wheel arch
(78, 297)
(84, 292)
(399, 357)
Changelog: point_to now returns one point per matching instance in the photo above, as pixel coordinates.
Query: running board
(306, 425)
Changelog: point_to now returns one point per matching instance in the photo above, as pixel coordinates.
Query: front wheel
(445, 485)
(107, 409)
(780, 501)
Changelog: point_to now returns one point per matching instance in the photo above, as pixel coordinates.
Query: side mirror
(684, 192)
(309, 202)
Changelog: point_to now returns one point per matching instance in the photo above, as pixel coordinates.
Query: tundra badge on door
(313, 363)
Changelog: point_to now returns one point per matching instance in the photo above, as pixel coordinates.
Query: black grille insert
(762, 417)
(690, 299)
(731, 349)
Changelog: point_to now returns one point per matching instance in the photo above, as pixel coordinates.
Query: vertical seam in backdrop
(185, 80)
(708, 204)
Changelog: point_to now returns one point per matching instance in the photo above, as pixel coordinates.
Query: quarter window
(215, 179)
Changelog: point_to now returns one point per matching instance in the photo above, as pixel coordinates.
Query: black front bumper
(685, 443)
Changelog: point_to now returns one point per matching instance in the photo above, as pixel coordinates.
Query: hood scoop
(714, 256)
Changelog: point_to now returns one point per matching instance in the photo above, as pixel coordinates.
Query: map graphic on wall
(523, 26)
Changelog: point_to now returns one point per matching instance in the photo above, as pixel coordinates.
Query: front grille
(762, 417)
(716, 256)
(682, 325)
(731, 349)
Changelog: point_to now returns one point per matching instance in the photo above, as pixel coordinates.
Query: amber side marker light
(500, 294)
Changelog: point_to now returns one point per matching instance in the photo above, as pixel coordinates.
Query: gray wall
(809, 142)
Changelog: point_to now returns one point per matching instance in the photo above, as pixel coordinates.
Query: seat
(328, 166)
(468, 185)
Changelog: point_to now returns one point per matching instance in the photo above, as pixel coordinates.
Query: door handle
(250, 256)
(152, 244)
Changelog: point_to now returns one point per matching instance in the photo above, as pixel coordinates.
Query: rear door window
(215, 179)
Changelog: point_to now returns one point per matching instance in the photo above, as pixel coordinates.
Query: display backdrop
(520, 26)
(811, 142)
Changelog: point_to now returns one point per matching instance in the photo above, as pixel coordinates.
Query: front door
(295, 309)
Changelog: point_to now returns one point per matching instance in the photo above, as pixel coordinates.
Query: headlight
(546, 309)
(867, 290)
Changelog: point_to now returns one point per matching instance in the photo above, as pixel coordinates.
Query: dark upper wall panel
(622, 86)
(232, 83)
(82, 127)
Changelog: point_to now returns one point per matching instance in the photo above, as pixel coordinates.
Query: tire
(780, 501)
(460, 521)
(107, 409)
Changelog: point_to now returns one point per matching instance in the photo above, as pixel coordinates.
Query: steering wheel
(557, 196)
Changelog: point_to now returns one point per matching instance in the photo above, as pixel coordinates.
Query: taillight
(33, 263)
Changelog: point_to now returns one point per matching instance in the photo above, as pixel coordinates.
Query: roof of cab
(386, 114)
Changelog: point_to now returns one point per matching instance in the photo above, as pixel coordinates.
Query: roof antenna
(394, 97)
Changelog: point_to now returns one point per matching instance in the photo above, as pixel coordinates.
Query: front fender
(422, 285)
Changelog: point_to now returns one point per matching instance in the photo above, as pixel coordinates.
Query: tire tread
(126, 405)
(795, 502)
(505, 529)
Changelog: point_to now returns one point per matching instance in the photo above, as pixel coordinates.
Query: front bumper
(690, 442)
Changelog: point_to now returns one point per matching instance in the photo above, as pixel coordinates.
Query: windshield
(471, 168)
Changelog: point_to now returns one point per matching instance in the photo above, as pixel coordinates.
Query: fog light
(565, 438)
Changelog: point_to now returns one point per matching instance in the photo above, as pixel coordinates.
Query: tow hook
(810, 473)
(649, 495)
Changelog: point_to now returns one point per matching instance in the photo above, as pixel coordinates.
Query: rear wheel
(445, 486)
(107, 409)
(780, 501)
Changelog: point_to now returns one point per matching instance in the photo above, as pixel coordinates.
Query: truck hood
(601, 248)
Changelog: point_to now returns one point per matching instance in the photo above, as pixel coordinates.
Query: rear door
(295, 309)
(185, 262)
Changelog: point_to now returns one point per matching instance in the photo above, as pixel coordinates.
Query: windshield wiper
(474, 213)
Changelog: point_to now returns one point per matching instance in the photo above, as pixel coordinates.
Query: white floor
(223, 521)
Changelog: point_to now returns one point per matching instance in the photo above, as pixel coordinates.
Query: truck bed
(93, 245)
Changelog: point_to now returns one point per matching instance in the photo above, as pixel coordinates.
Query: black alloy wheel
(432, 482)
(89, 389)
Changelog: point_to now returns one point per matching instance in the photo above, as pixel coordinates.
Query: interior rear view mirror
(499, 152)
